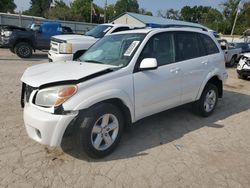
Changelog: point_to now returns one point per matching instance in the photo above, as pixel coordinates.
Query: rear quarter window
(209, 44)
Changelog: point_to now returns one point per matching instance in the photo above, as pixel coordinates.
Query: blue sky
(151, 5)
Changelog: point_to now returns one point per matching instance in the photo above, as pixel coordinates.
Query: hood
(247, 55)
(47, 73)
(72, 37)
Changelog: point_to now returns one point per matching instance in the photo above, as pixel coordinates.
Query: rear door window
(186, 46)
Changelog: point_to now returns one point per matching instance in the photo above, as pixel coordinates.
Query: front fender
(106, 95)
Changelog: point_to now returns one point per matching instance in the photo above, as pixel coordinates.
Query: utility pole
(240, 6)
(91, 9)
(105, 11)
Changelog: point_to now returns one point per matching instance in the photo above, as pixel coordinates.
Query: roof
(153, 21)
(148, 30)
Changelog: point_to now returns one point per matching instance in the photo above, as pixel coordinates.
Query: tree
(122, 6)
(60, 11)
(145, 12)
(7, 6)
(229, 13)
(38, 7)
(170, 14)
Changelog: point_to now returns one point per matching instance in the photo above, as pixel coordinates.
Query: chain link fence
(24, 21)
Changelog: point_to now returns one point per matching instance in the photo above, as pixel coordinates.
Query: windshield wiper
(93, 61)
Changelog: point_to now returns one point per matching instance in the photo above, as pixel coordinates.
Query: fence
(25, 21)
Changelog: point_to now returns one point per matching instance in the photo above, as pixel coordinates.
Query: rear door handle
(175, 70)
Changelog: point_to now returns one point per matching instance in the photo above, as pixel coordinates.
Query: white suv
(121, 79)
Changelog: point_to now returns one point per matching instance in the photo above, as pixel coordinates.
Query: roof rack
(179, 25)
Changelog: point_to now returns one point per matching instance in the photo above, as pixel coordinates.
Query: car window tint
(120, 29)
(159, 46)
(209, 44)
(186, 46)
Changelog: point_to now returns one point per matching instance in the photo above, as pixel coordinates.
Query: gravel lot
(172, 149)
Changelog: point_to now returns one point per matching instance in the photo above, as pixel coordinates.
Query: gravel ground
(172, 149)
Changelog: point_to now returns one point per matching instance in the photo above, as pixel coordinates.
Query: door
(194, 54)
(45, 33)
(159, 89)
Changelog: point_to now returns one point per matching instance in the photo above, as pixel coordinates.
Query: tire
(12, 50)
(243, 77)
(232, 61)
(23, 50)
(207, 102)
(99, 130)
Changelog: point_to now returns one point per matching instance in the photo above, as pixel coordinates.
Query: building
(140, 20)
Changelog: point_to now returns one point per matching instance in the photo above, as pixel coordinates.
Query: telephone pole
(105, 11)
(91, 9)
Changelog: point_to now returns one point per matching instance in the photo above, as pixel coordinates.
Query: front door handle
(175, 70)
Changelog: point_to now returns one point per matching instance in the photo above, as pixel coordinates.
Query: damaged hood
(47, 73)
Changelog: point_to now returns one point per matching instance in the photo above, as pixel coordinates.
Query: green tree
(60, 11)
(145, 12)
(81, 8)
(170, 14)
(122, 6)
(38, 7)
(7, 6)
(213, 19)
(229, 13)
(110, 12)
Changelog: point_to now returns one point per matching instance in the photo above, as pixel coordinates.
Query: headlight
(7, 33)
(65, 48)
(55, 96)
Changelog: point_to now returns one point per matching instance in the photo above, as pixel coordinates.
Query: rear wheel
(244, 77)
(232, 61)
(208, 101)
(99, 130)
(23, 50)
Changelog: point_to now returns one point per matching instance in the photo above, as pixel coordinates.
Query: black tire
(232, 61)
(244, 77)
(23, 50)
(12, 50)
(84, 126)
(199, 106)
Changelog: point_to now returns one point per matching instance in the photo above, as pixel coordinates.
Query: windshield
(114, 50)
(99, 31)
(244, 46)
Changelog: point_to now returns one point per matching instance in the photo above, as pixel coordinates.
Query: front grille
(54, 46)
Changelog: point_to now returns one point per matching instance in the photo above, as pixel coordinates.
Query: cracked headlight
(65, 48)
(55, 96)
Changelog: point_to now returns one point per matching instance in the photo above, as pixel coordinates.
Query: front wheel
(99, 130)
(23, 50)
(208, 101)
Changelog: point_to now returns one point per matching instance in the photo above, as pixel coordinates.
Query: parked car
(245, 48)
(121, 79)
(71, 47)
(243, 67)
(231, 53)
(24, 41)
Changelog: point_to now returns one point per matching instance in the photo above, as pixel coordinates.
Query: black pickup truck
(23, 42)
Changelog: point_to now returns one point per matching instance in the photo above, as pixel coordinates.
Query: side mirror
(148, 64)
